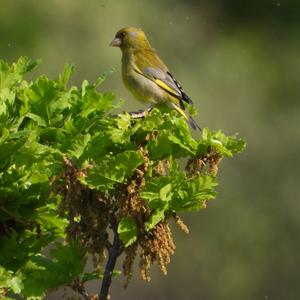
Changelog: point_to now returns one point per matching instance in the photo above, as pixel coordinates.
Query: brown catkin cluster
(162, 167)
(208, 163)
(93, 217)
(130, 255)
(195, 166)
(144, 265)
(181, 225)
(214, 164)
(87, 213)
(157, 246)
(131, 205)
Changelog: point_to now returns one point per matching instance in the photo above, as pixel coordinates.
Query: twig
(83, 293)
(78, 286)
(114, 251)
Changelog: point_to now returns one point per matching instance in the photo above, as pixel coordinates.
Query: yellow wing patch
(159, 82)
(181, 111)
(165, 87)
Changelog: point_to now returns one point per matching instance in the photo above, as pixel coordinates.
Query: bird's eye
(123, 33)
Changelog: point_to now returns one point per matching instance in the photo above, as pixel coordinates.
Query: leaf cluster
(53, 138)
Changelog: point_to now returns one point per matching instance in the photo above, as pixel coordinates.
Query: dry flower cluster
(94, 217)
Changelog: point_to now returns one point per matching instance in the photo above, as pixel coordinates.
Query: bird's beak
(116, 42)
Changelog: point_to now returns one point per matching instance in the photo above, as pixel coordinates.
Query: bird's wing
(161, 76)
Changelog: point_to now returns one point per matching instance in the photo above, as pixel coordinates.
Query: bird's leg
(141, 113)
(138, 114)
(149, 109)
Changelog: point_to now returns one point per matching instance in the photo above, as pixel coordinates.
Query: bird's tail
(193, 123)
(188, 117)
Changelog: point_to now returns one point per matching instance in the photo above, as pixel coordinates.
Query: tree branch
(83, 293)
(113, 253)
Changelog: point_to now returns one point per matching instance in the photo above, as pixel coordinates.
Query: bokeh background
(240, 62)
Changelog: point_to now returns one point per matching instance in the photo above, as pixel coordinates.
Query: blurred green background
(240, 62)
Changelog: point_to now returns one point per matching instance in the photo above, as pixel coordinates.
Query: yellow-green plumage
(145, 75)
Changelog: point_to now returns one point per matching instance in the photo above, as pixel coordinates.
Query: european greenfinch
(145, 74)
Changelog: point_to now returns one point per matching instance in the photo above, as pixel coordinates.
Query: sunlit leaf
(127, 231)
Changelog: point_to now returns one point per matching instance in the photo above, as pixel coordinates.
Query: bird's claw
(140, 113)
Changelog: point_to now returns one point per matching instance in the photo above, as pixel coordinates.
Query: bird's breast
(142, 88)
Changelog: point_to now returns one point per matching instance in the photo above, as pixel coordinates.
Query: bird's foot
(140, 113)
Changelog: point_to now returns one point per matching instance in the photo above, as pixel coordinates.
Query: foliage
(71, 174)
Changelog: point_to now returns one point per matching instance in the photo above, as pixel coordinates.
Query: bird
(145, 74)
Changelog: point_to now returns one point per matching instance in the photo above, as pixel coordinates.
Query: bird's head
(130, 37)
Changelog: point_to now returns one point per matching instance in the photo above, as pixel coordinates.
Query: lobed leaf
(127, 230)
